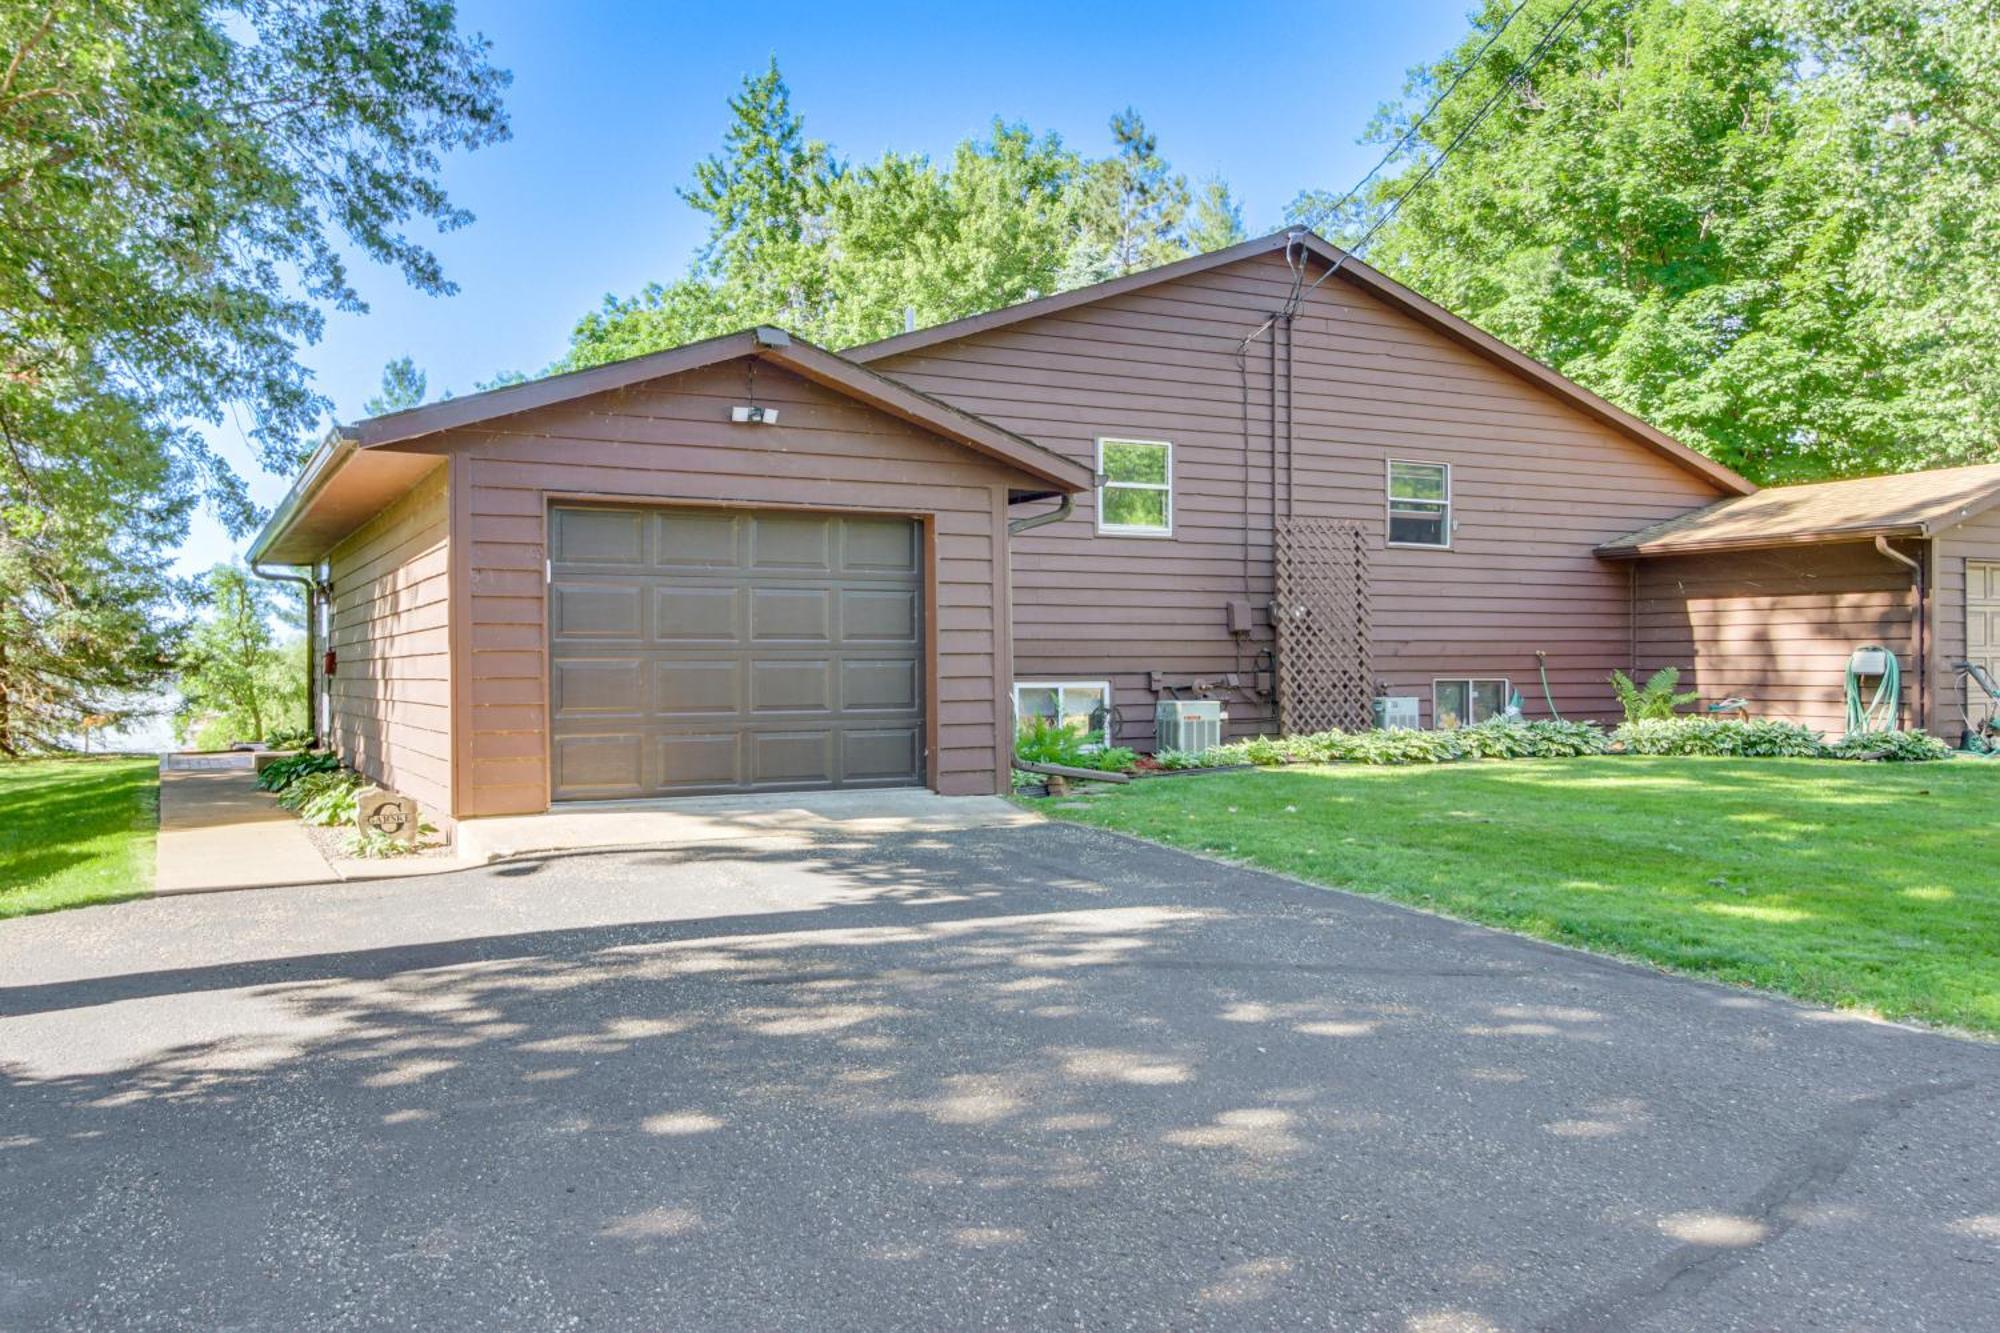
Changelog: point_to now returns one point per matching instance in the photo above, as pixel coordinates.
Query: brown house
(1269, 476)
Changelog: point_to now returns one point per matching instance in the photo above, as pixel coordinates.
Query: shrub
(281, 773)
(1495, 739)
(1176, 760)
(1567, 740)
(324, 799)
(289, 738)
(1762, 739)
(1901, 747)
(1040, 741)
(1653, 700)
(376, 845)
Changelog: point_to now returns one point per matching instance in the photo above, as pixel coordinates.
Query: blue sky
(613, 103)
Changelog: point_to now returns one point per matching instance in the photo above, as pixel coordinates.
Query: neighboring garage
(714, 650)
(743, 565)
(1765, 596)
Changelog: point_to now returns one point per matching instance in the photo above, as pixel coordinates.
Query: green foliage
(280, 774)
(1655, 699)
(1763, 738)
(1900, 747)
(1041, 741)
(844, 253)
(180, 188)
(1178, 760)
(1769, 226)
(325, 798)
(373, 844)
(1495, 739)
(288, 738)
(236, 680)
(403, 387)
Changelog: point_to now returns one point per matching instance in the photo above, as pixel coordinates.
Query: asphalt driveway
(1009, 1077)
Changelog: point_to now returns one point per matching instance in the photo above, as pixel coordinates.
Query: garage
(702, 651)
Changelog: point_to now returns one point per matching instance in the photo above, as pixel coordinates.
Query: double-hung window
(1419, 504)
(1135, 494)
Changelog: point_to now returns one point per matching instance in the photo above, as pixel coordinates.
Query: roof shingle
(1905, 504)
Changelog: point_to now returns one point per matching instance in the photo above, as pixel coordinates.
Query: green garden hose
(1879, 714)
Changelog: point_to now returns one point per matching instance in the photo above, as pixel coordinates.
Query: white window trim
(1506, 693)
(1126, 530)
(1059, 686)
(1389, 507)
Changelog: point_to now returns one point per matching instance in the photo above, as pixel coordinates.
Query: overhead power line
(1542, 47)
(1396, 149)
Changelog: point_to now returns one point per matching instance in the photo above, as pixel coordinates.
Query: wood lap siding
(672, 440)
(1775, 626)
(389, 699)
(1536, 485)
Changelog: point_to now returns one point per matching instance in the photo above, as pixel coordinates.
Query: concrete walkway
(782, 817)
(217, 831)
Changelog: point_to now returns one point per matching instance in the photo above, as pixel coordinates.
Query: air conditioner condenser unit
(1192, 725)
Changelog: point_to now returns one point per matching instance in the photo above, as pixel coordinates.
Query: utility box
(1397, 712)
(1192, 725)
(385, 812)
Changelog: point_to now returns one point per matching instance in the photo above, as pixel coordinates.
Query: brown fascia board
(1818, 537)
(1387, 289)
(769, 344)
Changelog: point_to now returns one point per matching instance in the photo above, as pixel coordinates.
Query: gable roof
(369, 463)
(1350, 269)
(1905, 504)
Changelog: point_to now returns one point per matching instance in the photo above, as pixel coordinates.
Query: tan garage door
(1982, 627)
(699, 651)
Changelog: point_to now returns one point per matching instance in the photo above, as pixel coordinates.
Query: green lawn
(1862, 885)
(76, 831)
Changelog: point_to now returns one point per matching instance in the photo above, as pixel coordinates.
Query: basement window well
(1082, 706)
(1464, 703)
(1135, 494)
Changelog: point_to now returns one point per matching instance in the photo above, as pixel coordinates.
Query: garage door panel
(692, 539)
(886, 756)
(604, 765)
(598, 686)
(791, 542)
(791, 758)
(606, 610)
(600, 536)
(683, 688)
(770, 651)
(785, 685)
(879, 685)
(878, 615)
(879, 546)
(697, 615)
(698, 761)
(792, 615)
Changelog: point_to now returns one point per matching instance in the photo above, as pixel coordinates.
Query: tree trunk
(7, 746)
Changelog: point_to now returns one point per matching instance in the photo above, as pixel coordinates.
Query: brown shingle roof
(1906, 504)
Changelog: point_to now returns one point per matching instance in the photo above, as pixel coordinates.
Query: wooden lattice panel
(1324, 679)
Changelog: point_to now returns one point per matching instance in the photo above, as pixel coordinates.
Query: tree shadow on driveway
(1024, 1076)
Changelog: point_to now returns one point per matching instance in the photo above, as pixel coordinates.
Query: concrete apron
(217, 831)
(782, 817)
